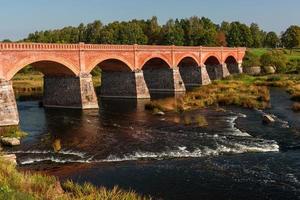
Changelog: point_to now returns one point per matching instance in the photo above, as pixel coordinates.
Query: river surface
(174, 156)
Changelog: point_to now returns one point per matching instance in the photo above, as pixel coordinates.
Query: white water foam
(62, 152)
(52, 159)
(227, 146)
(237, 132)
(180, 152)
(196, 153)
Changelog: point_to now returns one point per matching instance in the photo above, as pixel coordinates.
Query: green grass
(15, 185)
(258, 51)
(295, 54)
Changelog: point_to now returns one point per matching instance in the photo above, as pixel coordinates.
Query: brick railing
(82, 46)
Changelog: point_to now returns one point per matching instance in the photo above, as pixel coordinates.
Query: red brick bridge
(128, 71)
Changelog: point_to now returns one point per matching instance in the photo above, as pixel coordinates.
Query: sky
(18, 18)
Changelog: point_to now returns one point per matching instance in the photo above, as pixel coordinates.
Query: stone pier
(222, 71)
(194, 76)
(8, 107)
(216, 72)
(164, 80)
(178, 82)
(70, 92)
(205, 80)
(234, 68)
(124, 85)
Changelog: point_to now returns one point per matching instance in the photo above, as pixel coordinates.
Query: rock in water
(160, 113)
(268, 119)
(10, 141)
(269, 69)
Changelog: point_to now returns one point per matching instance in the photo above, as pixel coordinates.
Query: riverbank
(18, 185)
(239, 90)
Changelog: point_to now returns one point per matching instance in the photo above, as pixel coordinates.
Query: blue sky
(20, 17)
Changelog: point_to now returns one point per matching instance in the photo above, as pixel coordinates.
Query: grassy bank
(234, 91)
(27, 186)
(291, 83)
(294, 54)
(240, 90)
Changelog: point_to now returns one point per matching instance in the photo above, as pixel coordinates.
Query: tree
(221, 39)
(93, 32)
(132, 33)
(271, 40)
(172, 33)
(291, 37)
(82, 33)
(239, 35)
(225, 27)
(193, 31)
(152, 31)
(257, 35)
(6, 40)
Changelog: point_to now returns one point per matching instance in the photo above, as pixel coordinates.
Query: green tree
(271, 40)
(132, 33)
(291, 37)
(257, 36)
(239, 35)
(152, 31)
(93, 32)
(172, 33)
(82, 33)
(6, 40)
(110, 33)
(225, 27)
(193, 31)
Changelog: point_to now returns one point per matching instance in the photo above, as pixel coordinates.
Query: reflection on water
(204, 154)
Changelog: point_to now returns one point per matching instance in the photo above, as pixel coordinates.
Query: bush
(276, 59)
(294, 65)
(251, 60)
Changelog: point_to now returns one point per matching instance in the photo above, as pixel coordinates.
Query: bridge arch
(47, 65)
(212, 64)
(158, 75)
(62, 83)
(190, 71)
(191, 57)
(111, 63)
(232, 65)
(156, 60)
(117, 78)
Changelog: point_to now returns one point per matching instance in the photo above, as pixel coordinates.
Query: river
(173, 156)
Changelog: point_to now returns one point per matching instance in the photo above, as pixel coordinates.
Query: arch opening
(29, 81)
(117, 80)
(114, 65)
(158, 76)
(190, 72)
(232, 65)
(55, 84)
(213, 65)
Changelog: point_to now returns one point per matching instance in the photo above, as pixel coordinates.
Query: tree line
(193, 31)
